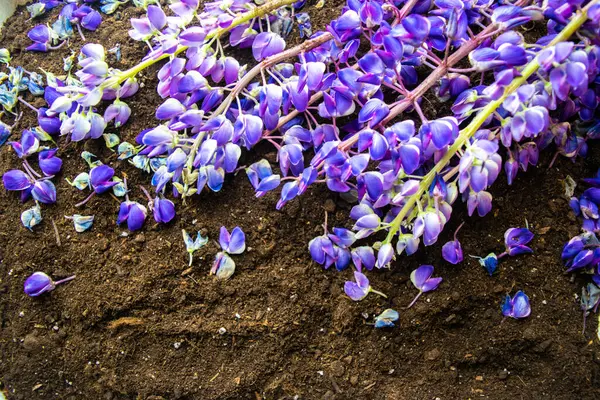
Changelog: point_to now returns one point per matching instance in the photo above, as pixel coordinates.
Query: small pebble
(222, 331)
(177, 345)
(432, 355)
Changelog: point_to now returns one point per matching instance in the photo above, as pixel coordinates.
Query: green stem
(241, 19)
(378, 292)
(480, 118)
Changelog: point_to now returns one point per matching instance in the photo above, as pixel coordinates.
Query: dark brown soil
(137, 324)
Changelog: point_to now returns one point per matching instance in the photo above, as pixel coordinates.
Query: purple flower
(452, 252)
(49, 163)
(291, 159)
(261, 177)
(163, 210)
(359, 289)
(101, 178)
(193, 36)
(441, 132)
(169, 109)
(363, 256)
(38, 283)
(16, 179)
(408, 243)
(119, 112)
(49, 124)
(421, 278)
(28, 144)
(515, 240)
(234, 243)
(385, 255)
(44, 191)
(248, 129)
(517, 307)
(133, 213)
(267, 44)
(346, 27)
(373, 112)
(40, 35)
(157, 17)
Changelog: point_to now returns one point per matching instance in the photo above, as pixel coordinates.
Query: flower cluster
(582, 253)
(74, 14)
(338, 112)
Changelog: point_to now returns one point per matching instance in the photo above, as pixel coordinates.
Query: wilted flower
(517, 307)
(386, 319)
(223, 266)
(31, 217)
(81, 222)
(489, 262)
(193, 245)
(39, 283)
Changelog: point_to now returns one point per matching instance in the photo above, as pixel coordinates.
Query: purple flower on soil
(515, 240)
(44, 191)
(28, 144)
(133, 213)
(163, 210)
(452, 250)
(38, 283)
(360, 288)
(41, 36)
(422, 279)
(49, 163)
(516, 307)
(101, 178)
(17, 180)
(234, 243)
(363, 256)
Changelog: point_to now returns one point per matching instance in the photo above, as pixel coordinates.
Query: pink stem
(65, 280)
